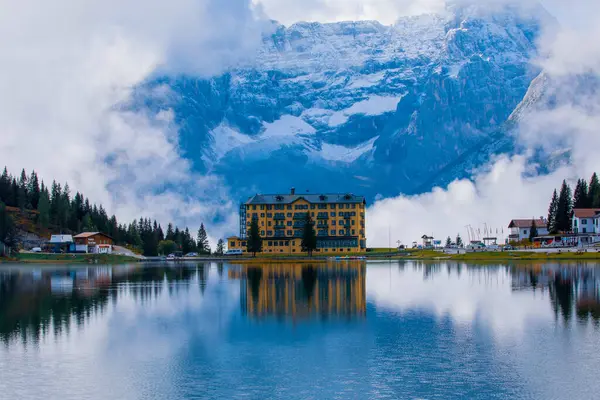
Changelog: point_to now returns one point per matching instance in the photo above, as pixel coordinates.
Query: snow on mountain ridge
(391, 104)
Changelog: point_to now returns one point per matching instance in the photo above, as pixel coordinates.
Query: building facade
(586, 220)
(339, 221)
(93, 242)
(519, 229)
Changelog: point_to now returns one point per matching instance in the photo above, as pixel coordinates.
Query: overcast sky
(573, 12)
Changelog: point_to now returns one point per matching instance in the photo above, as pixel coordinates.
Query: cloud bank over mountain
(68, 68)
(560, 112)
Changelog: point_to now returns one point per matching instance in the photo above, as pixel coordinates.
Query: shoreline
(419, 255)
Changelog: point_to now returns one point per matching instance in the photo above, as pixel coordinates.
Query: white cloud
(67, 68)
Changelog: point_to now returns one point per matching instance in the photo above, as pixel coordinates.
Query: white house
(586, 220)
(519, 229)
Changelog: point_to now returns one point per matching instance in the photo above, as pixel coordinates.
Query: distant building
(339, 222)
(519, 229)
(586, 220)
(427, 241)
(62, 243)
(94, 242)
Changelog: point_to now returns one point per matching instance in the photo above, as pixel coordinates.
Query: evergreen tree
(552, 212)
(448, 242)
(254, 242)
(564, 209)
(23, 196)
(220, 247)
(533, 231)
(161, 235)
(44, 209)
(33, 189)
(202, 241)
(580, 196)
(459, 241)
(13, 200)
(309, 236)
(87, 225)
(8, 230)
(170, 232)
(178, 238)
(5, 189)
(188, 243)
(594, 192)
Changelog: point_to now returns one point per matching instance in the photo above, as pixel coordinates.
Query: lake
(386, 330)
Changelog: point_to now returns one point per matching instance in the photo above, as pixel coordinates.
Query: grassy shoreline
(42, 258)
(415, 255)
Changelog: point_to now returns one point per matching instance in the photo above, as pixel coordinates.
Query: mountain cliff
(359, 106)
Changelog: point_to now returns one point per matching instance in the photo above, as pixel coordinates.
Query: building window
(332, 232)
(262, 233)
(262, 223)
(584, 222)
(270, 243)
(289, 215)
(353, 205)
(353, 232)
(353, 222)
(333, 206)
(243, 244)
(333, 214)
(276, 244)
(525, 232)
(289, 207)
(269, 215)
(312, 206)
(584, 230)
(289, 233)
(269, 223)
(232, 244)
(341, 232)
(269, 233)
(254, 208)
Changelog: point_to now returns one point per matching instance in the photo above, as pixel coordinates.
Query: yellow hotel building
(339, 222)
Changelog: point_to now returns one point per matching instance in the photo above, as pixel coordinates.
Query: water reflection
(36, 301)
(300, 291)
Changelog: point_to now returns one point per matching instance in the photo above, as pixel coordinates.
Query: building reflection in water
(301, 291)
(36, 302)
(574, 289)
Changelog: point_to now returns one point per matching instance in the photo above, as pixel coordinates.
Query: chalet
(519, 229)
(94, 242)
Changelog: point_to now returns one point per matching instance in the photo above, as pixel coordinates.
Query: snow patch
(374, 105)
(287, 126)
(225, 138)
(334, 152)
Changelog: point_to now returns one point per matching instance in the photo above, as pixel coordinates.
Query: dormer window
(322, 197)
(348, 197)
(279, 198)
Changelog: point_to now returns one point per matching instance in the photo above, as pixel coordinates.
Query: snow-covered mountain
(358, 106)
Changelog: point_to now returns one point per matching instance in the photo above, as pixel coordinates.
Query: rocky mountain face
(358, 106)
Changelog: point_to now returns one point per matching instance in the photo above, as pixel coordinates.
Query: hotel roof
(311, 198)
(526, 223)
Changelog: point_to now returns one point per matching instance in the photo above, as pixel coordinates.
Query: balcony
(323, 216)
(299, 224)
(279, 217)
(300, 215)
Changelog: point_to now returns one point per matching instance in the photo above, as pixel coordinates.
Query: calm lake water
(377, 330)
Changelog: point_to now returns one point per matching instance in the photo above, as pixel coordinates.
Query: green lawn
(73, 258)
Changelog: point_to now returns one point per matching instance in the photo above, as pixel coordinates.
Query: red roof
(526, 223)
(586, 212)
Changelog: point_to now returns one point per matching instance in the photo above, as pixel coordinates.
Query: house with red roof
(519, 229)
